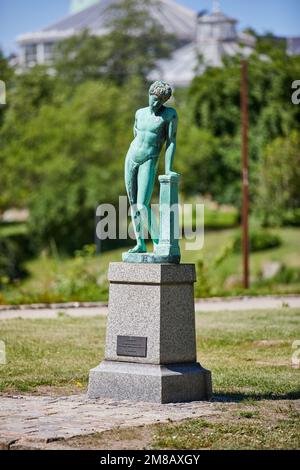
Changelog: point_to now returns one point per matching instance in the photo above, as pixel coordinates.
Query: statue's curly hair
(161, 89)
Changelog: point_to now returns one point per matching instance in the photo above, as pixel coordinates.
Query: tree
(80, 58)
(26, 93)
(131, 48)
(278, 197)
(6, 71)
(6, 74)
(215, 107)
(136, 41)
(81, 165)
(66, 159)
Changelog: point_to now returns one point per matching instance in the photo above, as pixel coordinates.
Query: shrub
(203, 286)
(277, 195)
(291, 217)
(219, 219)
(14, 251)
(287, 275)
(259, 239)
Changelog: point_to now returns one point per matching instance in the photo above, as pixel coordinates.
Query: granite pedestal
(150, 350)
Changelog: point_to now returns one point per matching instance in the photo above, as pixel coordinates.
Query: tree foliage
(6, 74)
(214, 101)
(136, 40)
(67, 159)
(278, 197)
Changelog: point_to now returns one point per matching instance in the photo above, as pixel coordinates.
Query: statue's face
(155, 103)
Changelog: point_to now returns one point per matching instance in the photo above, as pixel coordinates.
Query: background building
(216, 36)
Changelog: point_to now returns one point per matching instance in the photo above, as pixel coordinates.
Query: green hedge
(259, 240)
(291, 218)
(218, 219)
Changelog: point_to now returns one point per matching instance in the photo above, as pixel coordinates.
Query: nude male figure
(154, 126)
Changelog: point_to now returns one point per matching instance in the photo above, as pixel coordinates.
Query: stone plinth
(150, 350)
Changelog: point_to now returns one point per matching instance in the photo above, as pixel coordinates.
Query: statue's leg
(131, 181)
(146, 180)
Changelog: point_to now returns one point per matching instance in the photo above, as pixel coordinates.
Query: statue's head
(159, 93)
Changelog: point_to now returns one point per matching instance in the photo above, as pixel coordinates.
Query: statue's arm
(171, 142)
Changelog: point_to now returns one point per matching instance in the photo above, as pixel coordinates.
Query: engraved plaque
(132, 346)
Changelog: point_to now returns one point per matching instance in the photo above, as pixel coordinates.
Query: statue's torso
(151, 133)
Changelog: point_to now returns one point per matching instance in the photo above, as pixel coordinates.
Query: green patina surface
(154, 126)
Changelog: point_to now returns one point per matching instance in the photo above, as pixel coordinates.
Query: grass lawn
(54, 279)
(249, 354)
(263, 425)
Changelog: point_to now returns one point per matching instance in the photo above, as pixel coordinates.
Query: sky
(282, 17)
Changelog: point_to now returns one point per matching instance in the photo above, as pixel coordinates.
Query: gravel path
(100, 309)
(248, 303)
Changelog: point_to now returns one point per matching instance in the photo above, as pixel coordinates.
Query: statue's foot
(139, 248)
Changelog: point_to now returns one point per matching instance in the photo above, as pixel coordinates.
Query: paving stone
(76, 416)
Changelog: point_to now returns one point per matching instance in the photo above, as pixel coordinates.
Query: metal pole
(245, 172)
